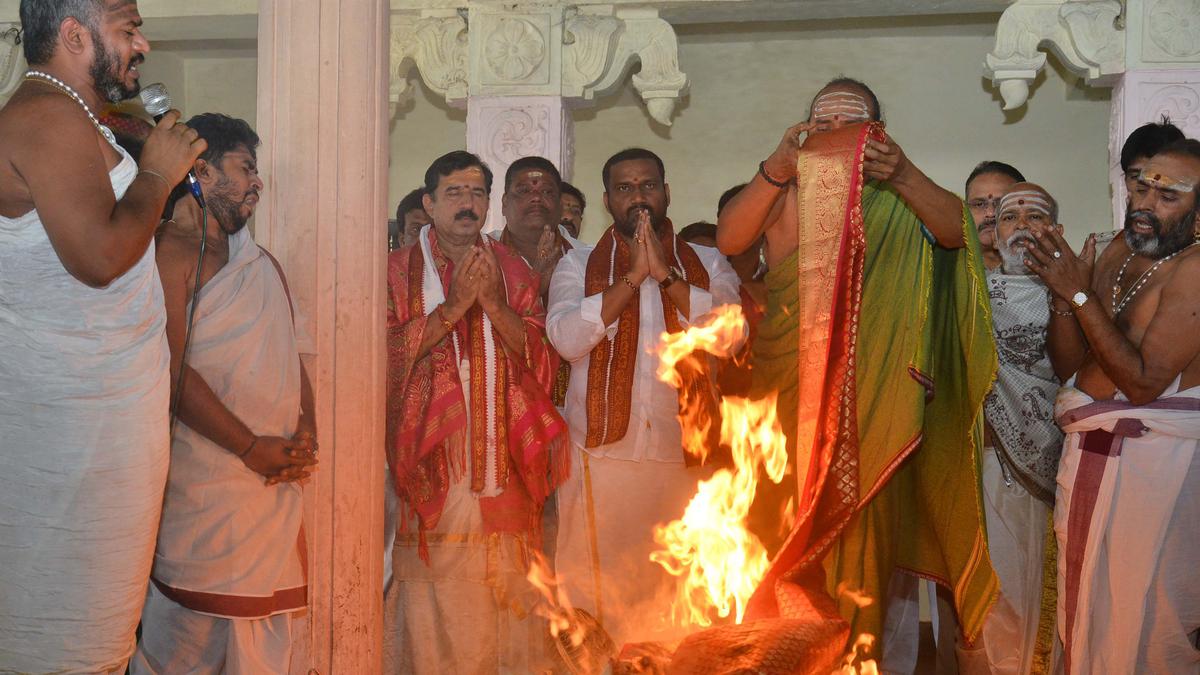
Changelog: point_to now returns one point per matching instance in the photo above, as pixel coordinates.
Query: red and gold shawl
(895, 358)
(562, 377)
(611, 369)
(427, 421)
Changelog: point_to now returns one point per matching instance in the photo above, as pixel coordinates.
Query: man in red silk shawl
(609, 306)
(474, 445)
(877, 339)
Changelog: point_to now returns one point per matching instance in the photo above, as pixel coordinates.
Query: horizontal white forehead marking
(1030, 199)
(1164, 182)
(846, 104)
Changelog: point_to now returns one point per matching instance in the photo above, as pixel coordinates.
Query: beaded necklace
(1140, 282)
(47, 78)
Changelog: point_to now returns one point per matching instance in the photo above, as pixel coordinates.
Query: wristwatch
(672, 277)
(1079, 298)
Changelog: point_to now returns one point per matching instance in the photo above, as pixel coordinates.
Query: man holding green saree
(878, 341)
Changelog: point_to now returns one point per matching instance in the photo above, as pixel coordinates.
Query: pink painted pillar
(502, 129)
(322, 107)
(1144, 95)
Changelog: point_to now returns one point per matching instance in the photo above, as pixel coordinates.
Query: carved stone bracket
(12, 60)
(1084, 34)
(516, 50)
(601, 48)
(437, 45)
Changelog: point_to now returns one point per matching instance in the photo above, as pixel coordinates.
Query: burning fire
(862, 647)
(555, 608)
(719, 562)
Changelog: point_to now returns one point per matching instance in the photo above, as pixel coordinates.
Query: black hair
(630, 154)
(41, 19)
(567, 189)
(843, 81)
(1148, 140)
(530, 162)
(727, 195)
(1184, 147)
(411, 202)
(450, 162)
(699, 228)
(224, 134)
(992, 166)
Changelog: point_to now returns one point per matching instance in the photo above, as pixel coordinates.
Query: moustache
(633, 211)
(1021, 236)
(467, 214)
(1146, 217)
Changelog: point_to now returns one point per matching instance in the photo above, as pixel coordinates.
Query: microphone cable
(191, 316)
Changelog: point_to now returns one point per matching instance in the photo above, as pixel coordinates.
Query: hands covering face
(1063, 272)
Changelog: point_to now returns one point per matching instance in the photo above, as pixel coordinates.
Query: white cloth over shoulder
(1125, 518)
(84, 390)
(224, 533)
(574, 326)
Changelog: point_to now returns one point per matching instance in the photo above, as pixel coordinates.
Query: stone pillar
(519, 68)
(502, 129)
(1148, 49)
(322, 115)
(1162, 78)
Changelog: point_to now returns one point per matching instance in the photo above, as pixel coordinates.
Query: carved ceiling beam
(1088, 36)
(577, 53)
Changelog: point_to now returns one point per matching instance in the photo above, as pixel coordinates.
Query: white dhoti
(84, 391)
(607, 512)
(468, 609)
(229, 545)
(200, 644)
(1016, 527)
(1126, 521)
(1018, 474)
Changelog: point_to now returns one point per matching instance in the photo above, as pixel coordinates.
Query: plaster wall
(171, 70)
(224, 85)
(749, 82)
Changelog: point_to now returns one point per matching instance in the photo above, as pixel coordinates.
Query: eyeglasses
(981, 204)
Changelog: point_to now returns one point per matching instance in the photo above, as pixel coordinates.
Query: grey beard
(1013, 262)
(1157, 246)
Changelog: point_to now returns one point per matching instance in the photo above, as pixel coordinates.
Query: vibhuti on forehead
(847, 105)
(1162, 181)
(1034, 200)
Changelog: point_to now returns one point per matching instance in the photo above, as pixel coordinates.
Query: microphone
(157, 102)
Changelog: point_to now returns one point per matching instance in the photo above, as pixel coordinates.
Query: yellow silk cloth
(890, 335)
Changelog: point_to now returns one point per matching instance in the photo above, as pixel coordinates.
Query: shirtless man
(1129, 479)
(83, 369)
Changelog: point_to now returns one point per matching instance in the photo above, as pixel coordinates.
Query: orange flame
(863, 644)
(862, 647)
(720, 333)
(555, 607)
(718, 561)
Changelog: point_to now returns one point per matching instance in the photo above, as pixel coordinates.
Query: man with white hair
(1020, 458)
